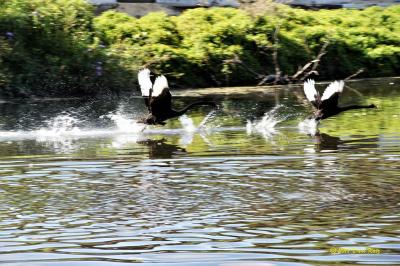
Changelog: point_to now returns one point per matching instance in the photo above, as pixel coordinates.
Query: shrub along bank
(58, 47)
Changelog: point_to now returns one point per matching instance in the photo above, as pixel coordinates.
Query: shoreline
(199, 92)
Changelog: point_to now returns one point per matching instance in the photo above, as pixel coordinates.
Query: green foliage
(211, 38)
(58, 47)
(52, 49)
(358, 39)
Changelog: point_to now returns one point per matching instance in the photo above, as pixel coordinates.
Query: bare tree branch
(302, 73)
(361, 70)
(316, 61)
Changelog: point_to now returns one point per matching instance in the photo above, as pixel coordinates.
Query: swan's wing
(145, 81)
(334, 87)
(330, 98)
(160, 84)
(161, 99)
(311, 93)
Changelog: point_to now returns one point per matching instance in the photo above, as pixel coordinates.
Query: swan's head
(317, 115)
(151, 120)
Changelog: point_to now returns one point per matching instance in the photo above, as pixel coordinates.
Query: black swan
(327, 105)
(158, 99)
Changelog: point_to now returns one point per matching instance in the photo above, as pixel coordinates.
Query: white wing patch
(309, 90)
(160, 84)
(336, 86)
(145, 81)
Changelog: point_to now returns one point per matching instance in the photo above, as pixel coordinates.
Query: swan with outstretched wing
(158, 99)
(328, 105)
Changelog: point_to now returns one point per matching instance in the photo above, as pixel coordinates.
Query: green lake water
(81, 185)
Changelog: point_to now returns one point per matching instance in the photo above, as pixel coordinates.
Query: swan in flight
(327, 105)
(158, 99)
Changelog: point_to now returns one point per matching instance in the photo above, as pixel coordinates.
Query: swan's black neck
(328, 112)
(351, 107)
(190, 106)
(159, 118)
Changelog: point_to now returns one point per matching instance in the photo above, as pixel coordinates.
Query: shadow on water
(325, 142)
(82, 183)
(159, 149)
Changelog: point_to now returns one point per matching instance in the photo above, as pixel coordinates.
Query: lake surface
(80, 184)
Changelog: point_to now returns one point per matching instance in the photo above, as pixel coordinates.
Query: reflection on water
(161, 149)
(79, 183)
(327, 143)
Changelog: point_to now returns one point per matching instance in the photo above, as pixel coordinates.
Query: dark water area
(82, 184)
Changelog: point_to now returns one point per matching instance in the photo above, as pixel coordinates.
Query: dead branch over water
(361, 70)
(304, 72)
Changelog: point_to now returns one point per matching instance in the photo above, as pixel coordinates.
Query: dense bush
(47, 47)
(58, 47)
(358, 39)
(201, 46)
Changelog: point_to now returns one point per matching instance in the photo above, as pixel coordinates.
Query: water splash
(309, 126)
(59, 133)
(187, 123)
(208, 117)
(125, 124)
(58, 129)
(265, 126)
(63, 124)
(189, 128)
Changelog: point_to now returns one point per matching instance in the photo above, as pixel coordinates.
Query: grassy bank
(59, 48)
